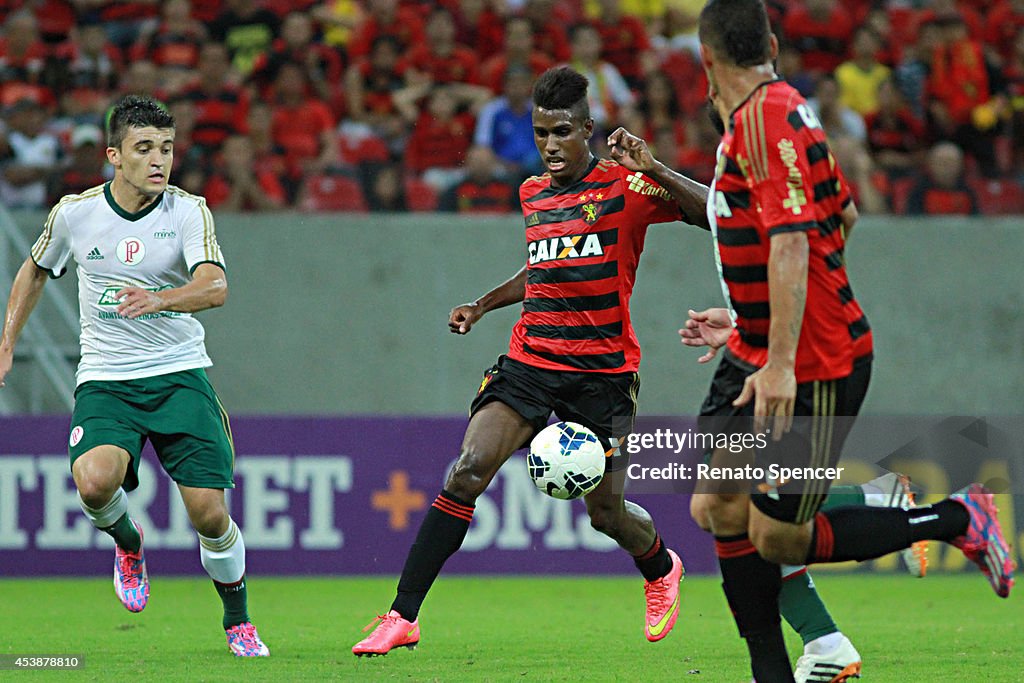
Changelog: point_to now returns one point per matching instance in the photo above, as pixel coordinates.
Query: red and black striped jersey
(584, 243)
(776, 174)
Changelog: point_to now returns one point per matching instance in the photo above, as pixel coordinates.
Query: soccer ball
(566, 460)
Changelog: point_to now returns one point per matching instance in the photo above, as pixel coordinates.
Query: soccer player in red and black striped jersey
(777, 210)
(573, 351)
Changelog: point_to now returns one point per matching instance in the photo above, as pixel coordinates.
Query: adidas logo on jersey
(94, 255)
(571, 246)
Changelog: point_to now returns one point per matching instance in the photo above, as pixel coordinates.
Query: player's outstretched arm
(208, 289)
(633, 153)
(25, 292)
(512, 291)
(710, 327)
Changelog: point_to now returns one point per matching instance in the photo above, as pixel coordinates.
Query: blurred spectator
(943, 189)
(237, 185)
(624, 42)
(480, 27)
(303, 126)
(440, 137)
(269, 155)
(837, 119)
(945, 11)
(188, 157)
(958, 85)
(247, 30)
(609, 96)
(912, 73)
(674, 28)
(698, 157)
(91, 66)
(658, 109)
(896, 137)
(123, 21)
(819, 29)
(518, 52)
(173, 44)
(385, 189)
(505, 126)
(859, 78)
(791, 67)
(1013, 74)
(439, 58)
(84, 166)
(370, 85)
(338, 20)
(322, 64)
(56, 19)
(1004, 23)
(386, 18)
(221, 106)
(31, 159)
(22, 57)
(141, 77)
(549, 36)
(484, 189)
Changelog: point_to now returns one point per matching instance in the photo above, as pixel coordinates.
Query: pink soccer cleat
(663, 601)
(131, 582)
(984, 544)
(244, 641)
(392, 631)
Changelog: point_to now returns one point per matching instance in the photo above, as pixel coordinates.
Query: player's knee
(210, 521)
(725, 513)
(699, 511)
(778, 542)
(95, 489)
(606, 518)
(470, 476)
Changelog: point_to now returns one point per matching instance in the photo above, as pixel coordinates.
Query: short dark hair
(737, 30)
(562, 87)
(136, 111)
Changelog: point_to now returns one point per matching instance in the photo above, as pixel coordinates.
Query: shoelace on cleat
(659, 589)
(129, 575)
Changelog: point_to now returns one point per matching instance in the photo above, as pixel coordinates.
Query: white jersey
(156, 248)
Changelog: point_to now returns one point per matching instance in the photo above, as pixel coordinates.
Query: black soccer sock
(655, 563)
(236, 602)
(864, 533)
(752, 588)
(440, 535)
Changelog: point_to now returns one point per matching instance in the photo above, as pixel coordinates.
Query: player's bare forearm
(25, 292)
(512, 291)
(691, 196)
(849, 216)
(208, 289)
(787, 295)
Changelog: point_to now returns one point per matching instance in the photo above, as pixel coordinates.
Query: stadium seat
(332, 193)
(998, 197)
(419, 196)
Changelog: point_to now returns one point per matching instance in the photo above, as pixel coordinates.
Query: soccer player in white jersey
(147, 259)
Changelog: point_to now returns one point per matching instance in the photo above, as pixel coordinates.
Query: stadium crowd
(399, 105)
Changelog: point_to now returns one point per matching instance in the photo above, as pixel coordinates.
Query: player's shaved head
(737, 30)
(136, 111)
(562, 88)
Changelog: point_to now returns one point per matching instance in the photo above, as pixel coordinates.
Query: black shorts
(605, 403)
(827, 408)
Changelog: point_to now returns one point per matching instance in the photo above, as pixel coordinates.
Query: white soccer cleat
(836, 666)
(896, 493)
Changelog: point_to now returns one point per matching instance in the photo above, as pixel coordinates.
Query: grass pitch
(943, 628)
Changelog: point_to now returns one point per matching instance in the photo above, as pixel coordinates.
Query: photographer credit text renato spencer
(667, 440)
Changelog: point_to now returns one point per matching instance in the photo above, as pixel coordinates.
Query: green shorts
(178, 412)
